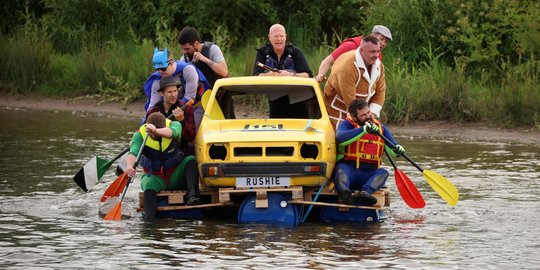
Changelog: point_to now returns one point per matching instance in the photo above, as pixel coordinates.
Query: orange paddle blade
(408, 190)
(116, 212)
(116, 188)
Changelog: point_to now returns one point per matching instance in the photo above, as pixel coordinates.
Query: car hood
(266, 130)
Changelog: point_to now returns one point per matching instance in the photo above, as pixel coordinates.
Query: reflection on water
(46, 221)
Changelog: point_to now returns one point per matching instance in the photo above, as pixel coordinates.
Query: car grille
(258, 151)
(266, 169)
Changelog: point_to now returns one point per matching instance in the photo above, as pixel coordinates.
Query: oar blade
(442, 186)
(91, 172)
(408, 190)
(115, 213)
(116, 188)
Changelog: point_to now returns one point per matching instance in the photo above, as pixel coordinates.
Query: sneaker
(364, 198)
(346, 196)
(194, 201)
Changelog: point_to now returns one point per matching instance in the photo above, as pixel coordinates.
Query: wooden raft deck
(299, 195)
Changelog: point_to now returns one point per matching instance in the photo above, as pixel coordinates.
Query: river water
(47, 222)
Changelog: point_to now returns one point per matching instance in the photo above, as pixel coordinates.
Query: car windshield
(268, 101)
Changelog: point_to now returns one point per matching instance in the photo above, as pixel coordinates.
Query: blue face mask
(160, 59)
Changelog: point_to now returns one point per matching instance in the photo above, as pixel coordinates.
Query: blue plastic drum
(279, 211)
(332, 214)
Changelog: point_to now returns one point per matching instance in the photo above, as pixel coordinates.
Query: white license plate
(263, 181)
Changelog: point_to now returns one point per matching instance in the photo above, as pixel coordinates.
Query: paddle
(439, 183)
(116, 212)
(406, 187)
(93, 170)
(116, 187)
(267, 67)
(119, 183)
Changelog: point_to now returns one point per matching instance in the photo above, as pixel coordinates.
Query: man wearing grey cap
(379, 31)
(356, 75)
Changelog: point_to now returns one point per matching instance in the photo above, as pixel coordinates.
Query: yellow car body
(248, 152)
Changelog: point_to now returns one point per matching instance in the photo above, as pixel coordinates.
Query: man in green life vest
(164, 164)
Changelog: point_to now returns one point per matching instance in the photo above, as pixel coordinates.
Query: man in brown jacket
(357, 74)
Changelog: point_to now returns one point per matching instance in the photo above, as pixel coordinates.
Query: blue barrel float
(278, 212)
(333, 214)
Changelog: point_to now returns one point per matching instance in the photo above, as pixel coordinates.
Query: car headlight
(309, 150)
(218, 151)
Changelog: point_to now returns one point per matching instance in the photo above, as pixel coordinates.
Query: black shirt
(295, 53)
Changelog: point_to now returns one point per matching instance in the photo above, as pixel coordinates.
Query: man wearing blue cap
(379, 31)
(193, 82)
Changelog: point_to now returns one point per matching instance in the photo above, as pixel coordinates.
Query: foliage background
(449, 60)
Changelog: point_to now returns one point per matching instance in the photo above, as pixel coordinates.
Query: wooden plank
(224, 195)
(379, 195)
(260, 189)
(183, 207)
(261, 199)
(308, 196)
(386, 197)
(176, 197)
(334, 205)
(297, 193)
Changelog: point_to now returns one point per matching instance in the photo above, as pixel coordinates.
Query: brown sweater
(348, 82)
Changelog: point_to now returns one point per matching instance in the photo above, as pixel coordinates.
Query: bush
(25, 62)
(477, 35)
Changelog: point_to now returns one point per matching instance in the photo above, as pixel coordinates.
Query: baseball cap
(167, 81)
(383, 30)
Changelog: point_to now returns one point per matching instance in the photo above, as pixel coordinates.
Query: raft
(287, 206)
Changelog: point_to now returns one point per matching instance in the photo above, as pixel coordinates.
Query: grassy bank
(430, 90)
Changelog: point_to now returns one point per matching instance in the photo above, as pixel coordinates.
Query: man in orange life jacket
(360, 153)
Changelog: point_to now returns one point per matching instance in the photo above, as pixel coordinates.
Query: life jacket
(180, 65)
(210, 74)
(367, 149)
(162, 156)
(286, 64)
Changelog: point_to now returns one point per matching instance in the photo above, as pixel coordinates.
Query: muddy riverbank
(436, 129)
